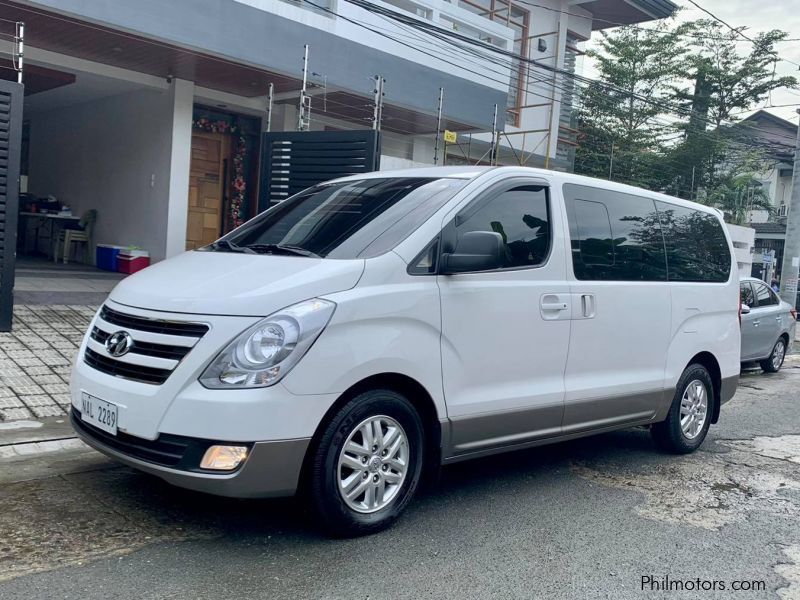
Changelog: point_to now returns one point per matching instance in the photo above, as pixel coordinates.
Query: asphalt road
(585, 519)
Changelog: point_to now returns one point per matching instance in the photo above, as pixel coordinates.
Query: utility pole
(611, 161)
(438, 127)
(304, 112)
(791, 248)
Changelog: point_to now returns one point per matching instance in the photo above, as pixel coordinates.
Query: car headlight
(265, 352)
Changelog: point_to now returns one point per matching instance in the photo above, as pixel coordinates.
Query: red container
(131, 264)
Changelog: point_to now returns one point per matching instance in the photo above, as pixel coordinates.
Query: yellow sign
(451, 137)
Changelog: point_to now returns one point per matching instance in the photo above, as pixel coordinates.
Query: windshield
(351, 219)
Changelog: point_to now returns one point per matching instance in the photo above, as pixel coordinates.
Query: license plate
(99, 413)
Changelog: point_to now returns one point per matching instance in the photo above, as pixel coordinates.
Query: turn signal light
(223, 458)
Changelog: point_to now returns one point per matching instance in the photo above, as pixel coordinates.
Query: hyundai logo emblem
(119, 343)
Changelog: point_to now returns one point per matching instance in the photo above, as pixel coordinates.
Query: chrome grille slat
(185, 329)
(117, 368)
(148, 360)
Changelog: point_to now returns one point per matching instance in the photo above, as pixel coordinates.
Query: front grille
(197, 330)
(117, 368)
(167, 450)
(150, 360)
(146, 348)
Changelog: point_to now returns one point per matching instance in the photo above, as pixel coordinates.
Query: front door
(207, 188)
(505, 332)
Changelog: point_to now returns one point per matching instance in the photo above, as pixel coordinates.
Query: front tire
(774, 363)
(689, 417)
(367, 464)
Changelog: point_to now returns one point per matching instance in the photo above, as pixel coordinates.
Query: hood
(227, 283)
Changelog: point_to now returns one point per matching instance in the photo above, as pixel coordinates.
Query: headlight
(269, 349)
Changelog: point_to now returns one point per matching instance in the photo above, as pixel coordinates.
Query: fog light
(223, 458)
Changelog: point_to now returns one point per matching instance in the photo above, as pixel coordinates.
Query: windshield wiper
(281, 249)
(229, 247)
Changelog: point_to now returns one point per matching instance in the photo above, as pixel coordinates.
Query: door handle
(554, 306)
(588, 308)
(755, 323)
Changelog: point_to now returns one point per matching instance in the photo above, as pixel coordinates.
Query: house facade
(152, 113)
(778, 136)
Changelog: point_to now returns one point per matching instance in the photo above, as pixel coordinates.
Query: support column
(181, 101)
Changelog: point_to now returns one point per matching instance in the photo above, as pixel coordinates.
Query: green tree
(621, 119)
(721, 83)
(736, 194)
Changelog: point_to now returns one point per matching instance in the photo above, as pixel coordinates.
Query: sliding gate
(291, 161)
(10, 144)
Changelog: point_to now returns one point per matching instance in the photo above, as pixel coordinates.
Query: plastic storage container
(131, 261)
(106, 256)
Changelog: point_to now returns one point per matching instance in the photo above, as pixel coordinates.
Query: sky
(757, 15)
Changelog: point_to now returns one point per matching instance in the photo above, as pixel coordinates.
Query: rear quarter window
(697, 249)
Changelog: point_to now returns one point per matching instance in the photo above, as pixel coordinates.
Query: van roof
(471, 172)
(463, 172)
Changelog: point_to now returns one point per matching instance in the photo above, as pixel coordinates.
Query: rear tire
(365, 488)
(774, 363)
(689, 417)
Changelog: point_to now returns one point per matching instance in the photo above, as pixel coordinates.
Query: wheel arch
(409, 387)
(711, 364)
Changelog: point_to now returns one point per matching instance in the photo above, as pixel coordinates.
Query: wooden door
(207, 188)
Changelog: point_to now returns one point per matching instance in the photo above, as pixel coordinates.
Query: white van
(356, 336)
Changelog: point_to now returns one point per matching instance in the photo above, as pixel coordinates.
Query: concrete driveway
(602, 517)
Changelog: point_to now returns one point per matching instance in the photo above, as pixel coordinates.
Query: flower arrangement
(214, 126)
(238, 182)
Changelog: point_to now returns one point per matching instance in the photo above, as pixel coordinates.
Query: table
(52, 218)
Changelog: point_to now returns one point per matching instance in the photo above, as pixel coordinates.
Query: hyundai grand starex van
(358, 335)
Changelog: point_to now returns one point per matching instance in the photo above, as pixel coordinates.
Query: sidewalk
(36, 357)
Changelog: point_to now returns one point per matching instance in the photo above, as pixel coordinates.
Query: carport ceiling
(65, 35)
(37, 79)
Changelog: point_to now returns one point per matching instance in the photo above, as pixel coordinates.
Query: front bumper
(272, 469)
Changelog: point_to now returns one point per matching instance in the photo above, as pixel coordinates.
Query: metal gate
(11, 94)
(291, 161)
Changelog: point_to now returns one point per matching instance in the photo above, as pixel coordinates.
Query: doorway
(208, 190)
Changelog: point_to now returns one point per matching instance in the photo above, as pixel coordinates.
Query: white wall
(113, 155)
(481, 71)
(743, 239)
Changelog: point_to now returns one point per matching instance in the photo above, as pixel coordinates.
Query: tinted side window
(522, 217)
(697, 249)
(746, 294)
(614, 236)
(764, 295)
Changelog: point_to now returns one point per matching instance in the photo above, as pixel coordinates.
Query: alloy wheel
(694, 409)
(777, 354)
(373, 463)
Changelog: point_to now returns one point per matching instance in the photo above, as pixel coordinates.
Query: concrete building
(743, 239)
(152, 112)
(778, 136)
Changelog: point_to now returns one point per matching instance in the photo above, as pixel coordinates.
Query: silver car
(768, 325)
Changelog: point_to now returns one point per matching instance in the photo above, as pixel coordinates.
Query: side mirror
(745, 309)
(475, 251)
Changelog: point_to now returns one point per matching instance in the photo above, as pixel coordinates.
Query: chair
(82, 236)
